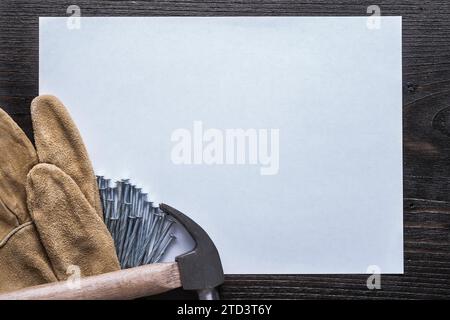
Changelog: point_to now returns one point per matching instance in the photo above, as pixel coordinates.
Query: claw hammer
(200, 270)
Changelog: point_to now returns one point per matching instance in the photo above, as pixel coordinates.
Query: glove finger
(69, 228)
(59, 142)
(17, 157)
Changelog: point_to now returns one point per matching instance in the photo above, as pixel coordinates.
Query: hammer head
(200, 268)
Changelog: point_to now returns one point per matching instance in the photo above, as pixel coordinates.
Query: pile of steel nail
(141, 231)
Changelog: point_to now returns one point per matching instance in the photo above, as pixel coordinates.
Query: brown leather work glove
(50, 211)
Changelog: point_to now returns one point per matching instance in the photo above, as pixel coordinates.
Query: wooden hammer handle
(124, 284)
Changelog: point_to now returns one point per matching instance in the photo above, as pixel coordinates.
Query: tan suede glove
(50, 211)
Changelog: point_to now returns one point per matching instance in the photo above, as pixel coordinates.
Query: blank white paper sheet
(280, 136)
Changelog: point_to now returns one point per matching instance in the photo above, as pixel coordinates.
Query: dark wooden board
(426, 127)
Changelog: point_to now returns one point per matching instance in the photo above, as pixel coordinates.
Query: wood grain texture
(118, 285)
(426, 128)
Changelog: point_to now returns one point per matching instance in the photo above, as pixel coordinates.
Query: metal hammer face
(201, 268)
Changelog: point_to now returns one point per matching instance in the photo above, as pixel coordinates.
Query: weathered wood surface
(426, 110)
